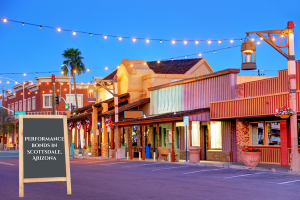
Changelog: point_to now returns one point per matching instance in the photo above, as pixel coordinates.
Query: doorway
(205, 140)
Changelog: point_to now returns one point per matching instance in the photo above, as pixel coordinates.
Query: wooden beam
(150, 122)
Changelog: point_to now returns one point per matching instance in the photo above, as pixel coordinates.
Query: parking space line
(168, 168)
(112, 163)
(289, 182)
(201, 171)
(7, 163)
(142, 165)
(243, 175)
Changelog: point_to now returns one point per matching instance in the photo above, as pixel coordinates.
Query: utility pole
(53, 95)
(2, 140)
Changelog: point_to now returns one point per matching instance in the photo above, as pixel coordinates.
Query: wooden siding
(254, 106)
(270, 155)
(200, 93)
(226, 135)
(267, 86)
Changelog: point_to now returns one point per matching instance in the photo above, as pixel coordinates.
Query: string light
(214, 51)
(200, 54)
(209, 41)
(147, 40)
(24, 74)
(219, 41)
(74, 71)
(184, 56)
(62, 72)
(258, 42)
(185, 42)
(36, 92)
(40, 27)
(7, 82)
(173, 41)
(133, 39)
(131, 65)
(106, 68)
(88, 70)
(105, 36)
(231, 41)
(144, 63)
(158, 61)
(118, 66)
(252, 39)
(261, 38)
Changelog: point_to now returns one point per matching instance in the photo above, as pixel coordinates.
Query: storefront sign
(170, 136)
(20, 112)
(186, 120)
(44, 151)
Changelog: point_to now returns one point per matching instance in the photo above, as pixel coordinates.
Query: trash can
(194, 154)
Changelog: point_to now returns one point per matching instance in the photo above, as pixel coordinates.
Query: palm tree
(74, 61)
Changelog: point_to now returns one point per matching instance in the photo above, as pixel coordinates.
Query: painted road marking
(168, 168)
(142, 165)
(112, 163)
(7, 156)
(289, 182)
(243, 175)
(7, 163)
(201, 171)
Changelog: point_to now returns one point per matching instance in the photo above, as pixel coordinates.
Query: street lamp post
(286, 39)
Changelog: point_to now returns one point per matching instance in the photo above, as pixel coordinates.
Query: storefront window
(257, 133)
(298, 128)
(215, 135)
(273, 133)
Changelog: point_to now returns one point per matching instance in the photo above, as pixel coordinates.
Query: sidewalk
(282, 169)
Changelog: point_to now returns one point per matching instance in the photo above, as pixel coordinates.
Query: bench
(163, 152)
(9, 146)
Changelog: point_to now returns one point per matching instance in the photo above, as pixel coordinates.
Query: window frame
(209, 137)
(29, 104)
(20, 104)
(33, 106)
(24, 105)
(44, 95)
(79, 106)
(16, 107)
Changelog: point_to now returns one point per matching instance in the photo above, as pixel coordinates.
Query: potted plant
(251, 157)
(176, 158)
(284, 112)
(89, 147)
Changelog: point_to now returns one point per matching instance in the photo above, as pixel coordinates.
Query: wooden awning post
(84, 135)
(112, 139)
(119, 135)
(157, 137)
(95, 136)
(173, 150)
(190, 132)
(75, 137)
(143, 142)
(130, 142)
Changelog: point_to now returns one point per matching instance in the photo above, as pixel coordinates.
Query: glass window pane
(273, 131)
(257, 133)
(215, 135)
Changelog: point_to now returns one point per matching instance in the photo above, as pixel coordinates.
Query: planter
(194, 155)
(85, 152)
(284, 116)
(176, 158)
(251, 159)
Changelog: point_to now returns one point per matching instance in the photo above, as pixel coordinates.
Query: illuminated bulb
(261, 38)
(105, 37)
(273, 38)
(74, 71)
(197, 42)
(106, 68)
(241, 39)
(4, 20)
(50, 90)
(144, 63)
(7, 82)
(258, 42)
(23, 23)
(28, 92)
(43, 91)
(147, 40)
(36, 92)
(219, 41)
(49, 72)
(57, 90)
(24, 83)
(199, 54)
(160, 41)
(40, 27)
(281, 35)
(65, 89)
(158, 61)
(88, 70)
(173, 41)
(16, 82)
(172, 59)
(185, 56)
(185, 42)
(120, 38)
(81, 83)
(214, 51)
(58, 29)
(37, 73)
(209, 41)
(231, 41)
(24, 74)
(118, 66)
(252, 39)
(133, 39)
(1, 74)
(74, 32)
(88, 83)
(62, 72)
(91, 34)
(61, 83)
(228, 48)
(131, 65)
(0, 81)
(47, 83)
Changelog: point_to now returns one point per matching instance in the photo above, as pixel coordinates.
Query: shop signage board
(186, 123)
(186, 120)
(133, 114)
(19, 112)
(44, 151)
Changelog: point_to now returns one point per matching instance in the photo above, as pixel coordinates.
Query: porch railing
(270, 155)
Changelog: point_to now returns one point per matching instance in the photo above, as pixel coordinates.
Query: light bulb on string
(58, 29)
(258, 42)
(105, 37)
(1, 74)
(88, 70)
(91, 34)
(120, 38)
(16, 82)
(74, 32)
(160, 41)
(147, 40)
(199, 54)
(219, 41)
(252, 39)
(23, 23)
(4, 20)
(24, 74)
(185, 42)
(106, 68)
(133, 39)
(173, 41)
(231, 41)
(241, 40)
(7, 82)
(184, 56)
(37, 73)
(197, 42)
(209, 41)
(214, 51)
(49, 72)
(62, 72)
(118, 66)
(172, 59)
(144, 63)
(131, 65)
(261, 38)
(158, 61)
(40, 27)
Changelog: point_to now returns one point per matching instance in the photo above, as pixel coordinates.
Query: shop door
(205, 140)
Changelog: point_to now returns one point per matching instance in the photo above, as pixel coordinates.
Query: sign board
(19, 112)
(186, 120)
(44, 151)
(133, 114)
(66, 106)
(108, 129)
(97, 131)
(170, 136)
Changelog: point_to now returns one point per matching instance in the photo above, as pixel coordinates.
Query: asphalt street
(104, 179)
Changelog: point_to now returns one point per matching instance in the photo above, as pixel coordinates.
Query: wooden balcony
(252, 106)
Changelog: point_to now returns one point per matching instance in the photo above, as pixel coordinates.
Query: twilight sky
(26, 48)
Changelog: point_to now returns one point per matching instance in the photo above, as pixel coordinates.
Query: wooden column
(190, 132)
(84, 135)
(130, 142)
(95, 127)
(119, 134)
(112, 139)
(173, 150)
(75, 137)
(284, 143)
(143, 143)
(157, 138)
(202, 142)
